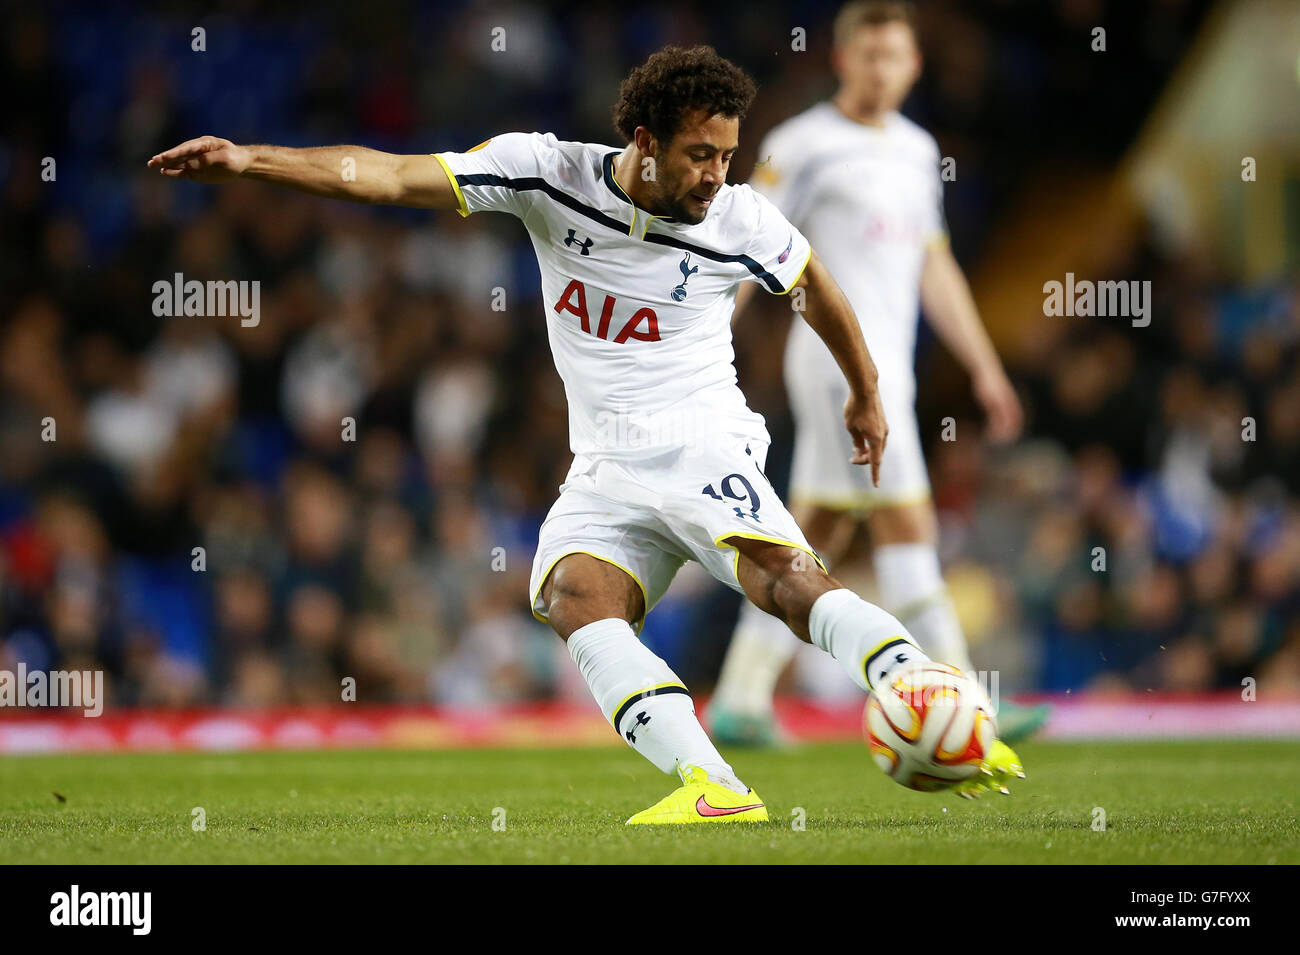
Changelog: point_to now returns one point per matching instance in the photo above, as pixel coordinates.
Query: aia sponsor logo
(642, 325)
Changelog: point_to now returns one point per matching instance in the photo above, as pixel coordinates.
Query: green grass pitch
(1185, 802)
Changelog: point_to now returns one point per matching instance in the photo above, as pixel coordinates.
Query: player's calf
(781, 580)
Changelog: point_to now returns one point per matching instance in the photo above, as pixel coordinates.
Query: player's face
(878, 66)
(691, 169)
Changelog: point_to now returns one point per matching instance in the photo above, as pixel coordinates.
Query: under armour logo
(899, 658)
(572, 239)
(641, 720)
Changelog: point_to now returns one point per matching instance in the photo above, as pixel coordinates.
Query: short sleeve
(777, 248)
(494, 176)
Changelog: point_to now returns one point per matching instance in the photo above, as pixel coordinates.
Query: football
(930, 727)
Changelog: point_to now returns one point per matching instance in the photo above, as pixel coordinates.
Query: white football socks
(760, 649)
(647, 703)
(911, 583)
(867, 641)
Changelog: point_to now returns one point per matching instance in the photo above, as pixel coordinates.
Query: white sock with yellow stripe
(867, 641)
(644, 699)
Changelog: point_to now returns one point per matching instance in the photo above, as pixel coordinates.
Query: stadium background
(381, 559)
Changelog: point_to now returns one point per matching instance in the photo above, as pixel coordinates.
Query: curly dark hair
(676, 80)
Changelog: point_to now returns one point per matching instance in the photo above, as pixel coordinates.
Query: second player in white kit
(870, 200)
(864, 183)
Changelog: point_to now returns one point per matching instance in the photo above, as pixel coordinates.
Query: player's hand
(865, 418)
(206, 159)
(1001, 405)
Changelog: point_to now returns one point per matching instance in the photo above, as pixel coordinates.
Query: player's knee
(568, 606)
(828, 531)
(574, 600)
(562, 612)
(905, 524)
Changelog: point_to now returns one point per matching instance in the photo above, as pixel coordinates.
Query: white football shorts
(650, 515)
(821, 473)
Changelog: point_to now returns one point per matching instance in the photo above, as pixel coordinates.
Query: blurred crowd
(352, 487)
(1147, 534)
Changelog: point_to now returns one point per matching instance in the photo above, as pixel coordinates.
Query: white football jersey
(638, 307)
(871, 200)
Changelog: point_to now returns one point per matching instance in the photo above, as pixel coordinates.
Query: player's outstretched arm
(336, 172)
(950, 309)
(829, 314)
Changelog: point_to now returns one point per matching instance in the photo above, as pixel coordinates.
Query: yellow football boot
(701, 800)
(999, 768)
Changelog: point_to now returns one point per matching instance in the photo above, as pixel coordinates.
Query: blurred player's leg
(911, 583)
(741, 711)
(906, 564)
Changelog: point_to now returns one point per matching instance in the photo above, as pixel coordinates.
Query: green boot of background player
(755, 731)
(1017, 721)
